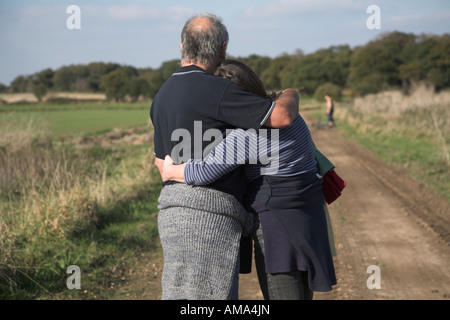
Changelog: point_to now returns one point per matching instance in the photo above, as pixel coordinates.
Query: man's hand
(285, 111)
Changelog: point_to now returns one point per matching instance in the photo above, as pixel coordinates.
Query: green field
(81, 119)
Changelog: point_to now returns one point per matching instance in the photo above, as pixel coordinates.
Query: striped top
(283, 153)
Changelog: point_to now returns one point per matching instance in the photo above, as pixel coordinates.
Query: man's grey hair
(203, 45)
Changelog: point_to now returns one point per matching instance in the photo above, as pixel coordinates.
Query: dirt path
(383, 218)
(386, 219)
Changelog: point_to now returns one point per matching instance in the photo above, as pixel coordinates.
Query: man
(200, 227)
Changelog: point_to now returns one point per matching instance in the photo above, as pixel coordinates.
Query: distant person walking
(330, 110)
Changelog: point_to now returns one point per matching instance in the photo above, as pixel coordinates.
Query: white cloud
(282, 8)
(409, 18)
(413, 18)
(36, 11)
(132, 12)
(136, 12)
(419, 23)
(179, 13)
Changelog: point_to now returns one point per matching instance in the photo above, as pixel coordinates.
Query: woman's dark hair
(244, 76)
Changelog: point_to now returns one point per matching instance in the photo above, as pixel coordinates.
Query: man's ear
(181, 46)
(224, 50)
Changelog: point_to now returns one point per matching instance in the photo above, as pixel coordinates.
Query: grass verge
(410, 131)
(89, 202)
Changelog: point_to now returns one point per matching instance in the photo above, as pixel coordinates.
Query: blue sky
(34, 35)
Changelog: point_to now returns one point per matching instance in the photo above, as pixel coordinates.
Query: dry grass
(421, 113)
(412, 131)
(50, 191)
(30, 97)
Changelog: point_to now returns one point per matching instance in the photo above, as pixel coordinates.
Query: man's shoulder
(194, 83)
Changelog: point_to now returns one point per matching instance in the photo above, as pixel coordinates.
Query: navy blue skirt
(294, 227)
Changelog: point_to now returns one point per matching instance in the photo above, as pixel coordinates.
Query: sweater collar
(189, 69)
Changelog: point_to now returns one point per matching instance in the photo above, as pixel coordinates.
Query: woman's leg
(279, 286)
(289, 286)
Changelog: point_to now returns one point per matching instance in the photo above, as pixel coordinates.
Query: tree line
(392, 60)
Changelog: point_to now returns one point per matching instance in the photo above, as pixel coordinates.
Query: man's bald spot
(200, 24)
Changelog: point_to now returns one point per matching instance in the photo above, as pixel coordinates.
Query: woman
(293, 236)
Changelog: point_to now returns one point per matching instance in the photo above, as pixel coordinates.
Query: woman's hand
(172, 171)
